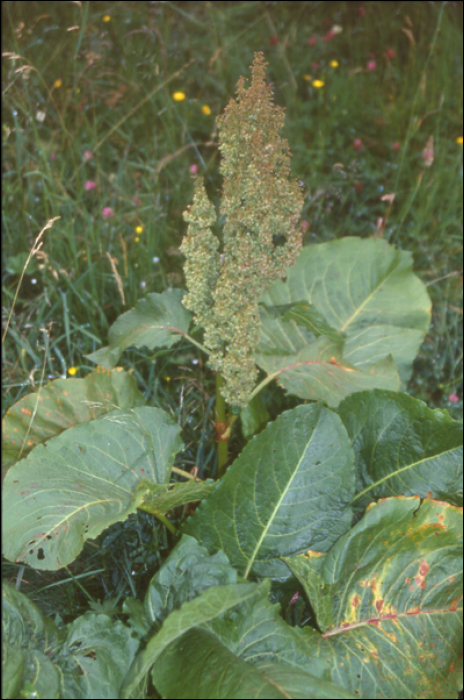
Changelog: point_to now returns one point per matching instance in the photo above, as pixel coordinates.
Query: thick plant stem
(162, 518)
(223, 445)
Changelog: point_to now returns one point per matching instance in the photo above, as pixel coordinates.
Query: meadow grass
(108, 109)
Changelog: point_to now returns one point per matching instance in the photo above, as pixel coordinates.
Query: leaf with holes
(159, 320)
(388, 601)
(290, 489)
(82, 481)
(62, 404)
(402, 447)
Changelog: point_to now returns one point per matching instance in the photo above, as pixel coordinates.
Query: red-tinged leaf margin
(388, 601)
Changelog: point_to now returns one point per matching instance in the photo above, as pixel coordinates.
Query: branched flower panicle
(261, 206)
(200, 247)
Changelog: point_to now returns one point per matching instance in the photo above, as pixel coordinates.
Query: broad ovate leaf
(211, 670)
(159, 320)
(265, 656)
(306, 316)
(363, 288)
(403, 447)
(289, 490)
(188, 571)
(388, 601)
(82, 481)
(212, 603)
(96, 657)
(319, 371)
(60, 405)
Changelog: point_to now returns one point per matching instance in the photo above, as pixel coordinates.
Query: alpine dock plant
(261, 205)
(350, 503)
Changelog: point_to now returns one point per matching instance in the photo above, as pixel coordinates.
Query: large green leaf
(388, 601)
(318, 370)
(28, 639)
(290, 489)
(363, 288)
(89, 660)
(254, 416)
(60, 405)
(306, 316)
(403, 447)
(255, 650)
(159, 320)
(210, 604)
(96, 657)
(187, 572)
(211, 671)
(83, 481)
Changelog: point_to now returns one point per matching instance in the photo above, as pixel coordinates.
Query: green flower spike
(261, 205)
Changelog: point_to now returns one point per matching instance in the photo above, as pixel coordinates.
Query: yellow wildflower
(306, 77)
(58, 83)
(72, 371)
(137, 239)
(334, 64)
(178, 96)
(139, 229)
(459, 140)
(318, 83)
(106, 18)
(206, 110)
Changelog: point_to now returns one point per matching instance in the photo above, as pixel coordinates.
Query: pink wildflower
(313, 40)
(357, 145)
(52, 156)
(107, 212)
(371, 65)
(361, 11)
(428, 155)
(305, 225)
(329, 36)
(295, 597)
(194, 169)
(274, 40)
(88, 155)
(90, 185)
(391, 53)
(315, 65)
(396, 146)
(454, 398)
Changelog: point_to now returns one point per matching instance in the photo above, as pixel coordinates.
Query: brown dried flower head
(261, 205)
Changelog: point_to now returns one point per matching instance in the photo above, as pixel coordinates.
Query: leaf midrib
(279, 502)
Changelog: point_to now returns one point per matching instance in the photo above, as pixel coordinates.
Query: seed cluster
(261, 205)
